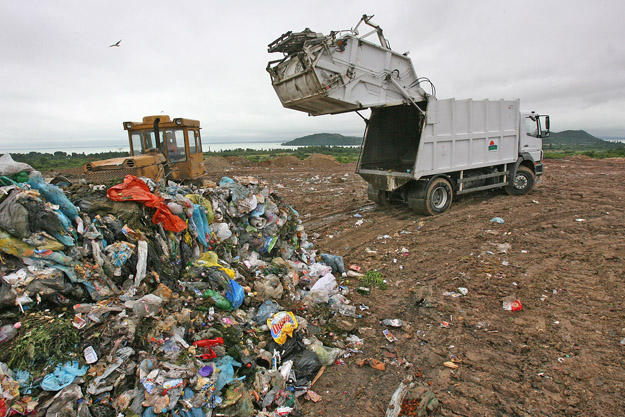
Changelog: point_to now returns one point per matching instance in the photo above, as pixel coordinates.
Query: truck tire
(438, 197)
(523, 181)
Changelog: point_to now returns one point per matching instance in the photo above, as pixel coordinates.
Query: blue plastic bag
(226, 375)
(201, 224)
(54, 195)
(235, 294)
(63, 375)
(225, 180)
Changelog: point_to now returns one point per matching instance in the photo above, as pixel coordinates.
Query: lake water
(71, 148)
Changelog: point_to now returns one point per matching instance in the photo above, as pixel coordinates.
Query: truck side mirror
(546, 132)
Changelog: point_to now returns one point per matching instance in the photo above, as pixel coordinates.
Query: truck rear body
(402, 144)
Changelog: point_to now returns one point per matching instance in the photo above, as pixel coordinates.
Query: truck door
(531, 140)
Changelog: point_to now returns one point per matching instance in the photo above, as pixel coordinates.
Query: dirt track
(561, 252)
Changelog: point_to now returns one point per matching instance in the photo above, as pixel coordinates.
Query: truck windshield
(531, 127)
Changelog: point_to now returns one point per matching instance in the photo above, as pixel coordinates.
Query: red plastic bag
(133, 189)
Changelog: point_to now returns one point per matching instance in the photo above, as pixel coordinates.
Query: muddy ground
(561, 252)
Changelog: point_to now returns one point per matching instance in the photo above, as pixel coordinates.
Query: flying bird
(116, 43)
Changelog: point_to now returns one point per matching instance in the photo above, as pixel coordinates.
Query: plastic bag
(62, 376)
(13, 246)
(306, 367)
(205, 203)
(219, 300)
(201, 224)
(269, 287)
(266, 310)
(326, 355)
(133, 189)
(226, 371)
(323, 289)
(54, 195)
(290, 349)
(334, 261)
(142, 259)
(235, 294)
(14, 216)
(148, 305)
(222, 231)
(10, 167)
(225, 180)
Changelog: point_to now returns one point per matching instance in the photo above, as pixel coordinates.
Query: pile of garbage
(148, 298)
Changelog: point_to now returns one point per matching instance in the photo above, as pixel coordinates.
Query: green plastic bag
(220, 301)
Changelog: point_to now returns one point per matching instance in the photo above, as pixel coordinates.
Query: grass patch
(373, 279)
(42, 340)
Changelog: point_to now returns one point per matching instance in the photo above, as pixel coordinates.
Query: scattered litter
(389, 336)
(512, 305)
(392, 322)
(498, 220)
(374, 363)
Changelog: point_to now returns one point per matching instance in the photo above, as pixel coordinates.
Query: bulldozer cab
(178, 140)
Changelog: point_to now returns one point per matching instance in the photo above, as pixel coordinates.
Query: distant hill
(325, 139)
(577, 140)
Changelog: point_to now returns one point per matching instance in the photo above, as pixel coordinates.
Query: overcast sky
(206, 60)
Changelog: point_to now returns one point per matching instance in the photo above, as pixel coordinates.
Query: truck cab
(533, 129)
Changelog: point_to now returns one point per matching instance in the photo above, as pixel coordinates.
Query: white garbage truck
(416, 149)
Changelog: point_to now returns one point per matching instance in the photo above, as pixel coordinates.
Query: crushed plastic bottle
(8, 332)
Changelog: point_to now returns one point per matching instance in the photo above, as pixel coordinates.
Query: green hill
(577, 140)
(325, 139)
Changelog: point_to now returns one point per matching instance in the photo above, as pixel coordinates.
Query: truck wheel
(438, 197)
(523, 182)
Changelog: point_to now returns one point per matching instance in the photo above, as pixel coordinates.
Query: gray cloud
(206, 60)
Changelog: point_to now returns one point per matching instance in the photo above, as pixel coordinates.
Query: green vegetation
(579, 142)
(44, 340)
(325, 139)
(373, 279)
(62, 160)
(557, 145)
(341, 154)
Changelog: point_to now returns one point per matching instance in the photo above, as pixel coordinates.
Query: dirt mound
(318, 160)
(216, 163)
(286, 161)
(239, 161)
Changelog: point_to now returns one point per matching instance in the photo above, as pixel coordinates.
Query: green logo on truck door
(492, 146)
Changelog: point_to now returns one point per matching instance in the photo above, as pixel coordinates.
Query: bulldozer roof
(164, 121)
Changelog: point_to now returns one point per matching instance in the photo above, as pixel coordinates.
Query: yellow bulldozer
(160, 148)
